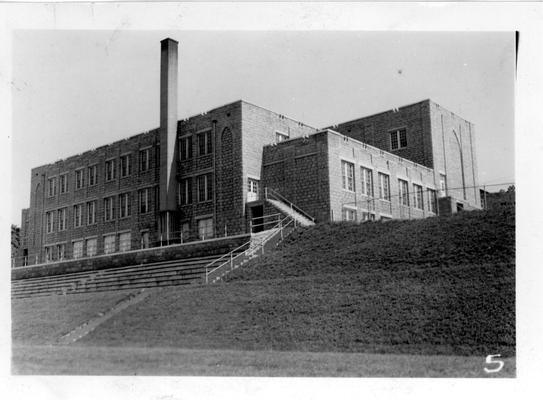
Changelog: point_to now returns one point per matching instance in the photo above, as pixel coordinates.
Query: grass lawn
(428, 297)
(461, 312)
(43, 320)
(96, 360)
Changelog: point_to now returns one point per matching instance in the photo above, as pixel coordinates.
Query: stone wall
(41, 202)
(224, 165)
(298, 170)
(375, 131)
(453, 140)
(309, 173)
(259, 129)
(345, 149)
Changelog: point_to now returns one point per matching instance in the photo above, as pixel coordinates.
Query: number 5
(489, 360)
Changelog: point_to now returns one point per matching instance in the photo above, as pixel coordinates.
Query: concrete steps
(287, 210)
(168, 273)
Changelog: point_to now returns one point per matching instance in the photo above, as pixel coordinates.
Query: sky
(76, 90)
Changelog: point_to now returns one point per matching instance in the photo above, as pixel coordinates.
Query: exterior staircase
(260, 243)
(288, 208)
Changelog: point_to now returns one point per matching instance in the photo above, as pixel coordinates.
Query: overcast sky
(77, 90)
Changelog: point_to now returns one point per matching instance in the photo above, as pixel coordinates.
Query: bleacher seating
(167, 273)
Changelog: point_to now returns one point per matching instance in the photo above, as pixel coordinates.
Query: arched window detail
(459, 143)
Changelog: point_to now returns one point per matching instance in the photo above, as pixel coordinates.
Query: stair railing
(272, 194)
(229, 260)
(264, 221)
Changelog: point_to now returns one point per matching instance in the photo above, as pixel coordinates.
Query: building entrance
(257, 218)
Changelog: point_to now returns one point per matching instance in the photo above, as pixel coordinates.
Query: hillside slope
(434, 286)
(476, 237)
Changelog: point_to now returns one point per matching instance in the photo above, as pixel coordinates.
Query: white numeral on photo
(490, 359)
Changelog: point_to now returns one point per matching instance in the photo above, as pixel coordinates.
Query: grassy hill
(435, 286)
(476, 237)
(439, 286)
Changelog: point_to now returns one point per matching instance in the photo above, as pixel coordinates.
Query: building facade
(335, 177)
(204, 176)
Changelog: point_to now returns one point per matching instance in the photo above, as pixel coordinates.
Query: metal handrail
(267, 216)
(285, 200)
(280, 225)
(230, 254)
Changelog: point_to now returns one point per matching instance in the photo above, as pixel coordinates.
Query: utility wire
(425, 190)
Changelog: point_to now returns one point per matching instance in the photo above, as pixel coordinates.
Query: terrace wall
(158, 254)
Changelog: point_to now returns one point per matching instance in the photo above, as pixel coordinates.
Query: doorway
(257, 218)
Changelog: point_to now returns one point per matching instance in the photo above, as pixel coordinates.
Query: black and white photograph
(241, 202)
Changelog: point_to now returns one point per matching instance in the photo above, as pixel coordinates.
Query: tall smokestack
(168, 123)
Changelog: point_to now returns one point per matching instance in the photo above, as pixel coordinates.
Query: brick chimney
(168, 140)
(168, 123)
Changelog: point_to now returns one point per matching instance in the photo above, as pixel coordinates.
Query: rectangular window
(125, 241)
(185, 191)
(78, 215)
(48, 254)
(205, 143)
(61, 251)
(368, 216)
(252, 189)
(51, 187)
(124, 205)
(110, 170)
(185, 231)
(91, 212)
(92, 247)
(144, 201)
(63, 183)
(145, 157)
(205, 187)
(384, 186)
(185, 148)
(62, 215)
(109, 208)
(432, 200)
(398, 139)
(419, 202)
(78, 249)
(109, 244)
(281, 137)
(442, 185)
(403, 138)
(205, 228)
(145, 240)
(347, 175)
(49, 218)
(367, 181)
(79, 179)
(348, 214)
(404, 192)
(93, 175)
(125, 165)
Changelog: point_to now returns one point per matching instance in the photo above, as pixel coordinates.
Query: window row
(204, 145)
(89, 176)
(112, 243)
(418, 196)
(383, 182)
(350, 214)
(120, 242)
(204, 189)
(114, 206)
